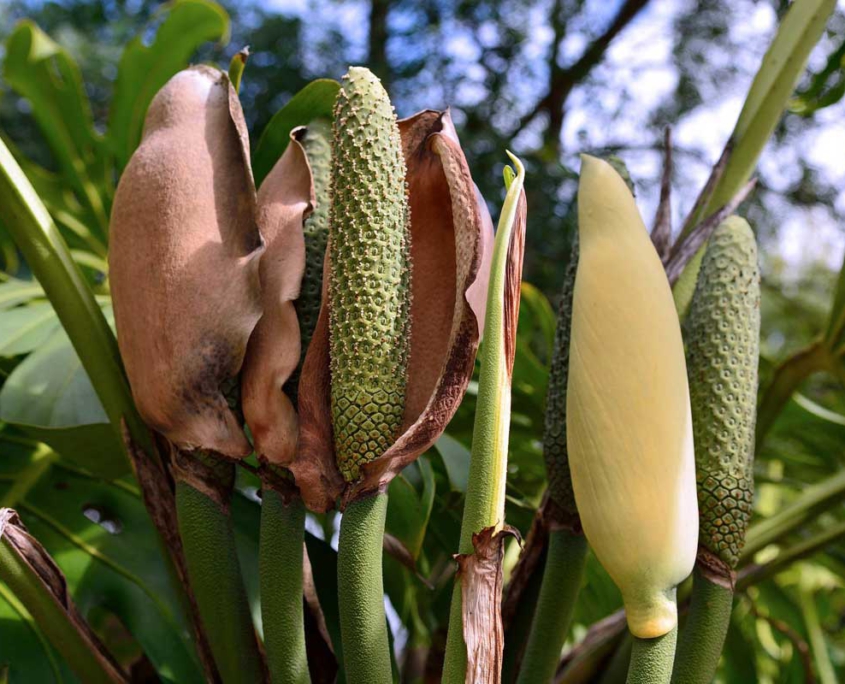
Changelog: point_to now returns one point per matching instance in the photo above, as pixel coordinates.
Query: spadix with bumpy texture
(723, 333)
(318, 149)
(629, 429)
(554, 436)
(369, 290)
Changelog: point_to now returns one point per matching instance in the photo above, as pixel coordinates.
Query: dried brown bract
(285, 199)
(451, 245)
(184, 262)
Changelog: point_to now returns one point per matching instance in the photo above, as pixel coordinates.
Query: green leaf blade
(314, 101)
(144, 70)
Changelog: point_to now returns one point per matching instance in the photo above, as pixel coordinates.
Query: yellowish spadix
(629, 427)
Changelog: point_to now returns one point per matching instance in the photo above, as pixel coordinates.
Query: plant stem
(215, 574)
(805, 507)
(703, 636)
(79, 650)
(29, 223)
(788, 556)
(651, 659)
(280, 569)
(818, 640)
(363, 627)
(567, 553)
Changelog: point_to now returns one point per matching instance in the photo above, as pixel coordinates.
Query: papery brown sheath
(184, 262)
(285, 199)
(451, 245)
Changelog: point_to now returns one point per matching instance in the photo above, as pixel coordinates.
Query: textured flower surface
(629, 427)
(450, 248)
(723, 340)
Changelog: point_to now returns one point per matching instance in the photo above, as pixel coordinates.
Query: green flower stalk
(369, 326)
(629, 428)
(723, 333)
(391, 355)
(651, 659)
(471, 655)
(280, 567)
(567, 547)
(294, 239)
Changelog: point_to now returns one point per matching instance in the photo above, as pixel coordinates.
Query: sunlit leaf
(144, 68)
(314, 101)
(14, 292)
(39, 70)
(51, 397)
(25, 328)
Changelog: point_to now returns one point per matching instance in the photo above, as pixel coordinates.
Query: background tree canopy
(550, 79)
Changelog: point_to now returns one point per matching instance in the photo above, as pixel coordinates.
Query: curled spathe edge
(451, 248)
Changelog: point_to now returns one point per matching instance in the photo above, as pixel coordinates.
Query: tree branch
(377, 52)
(563, 80)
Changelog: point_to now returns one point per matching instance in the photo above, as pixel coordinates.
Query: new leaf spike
(629, 429)
(723, 334)
(370, 274)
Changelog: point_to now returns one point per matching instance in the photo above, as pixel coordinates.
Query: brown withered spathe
(184, 262)
(451, 246)
(285, 199)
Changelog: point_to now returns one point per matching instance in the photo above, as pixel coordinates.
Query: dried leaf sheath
(451, 245)
(183, 261)
(316, 141)
(284, 201)
(480, 575)
(38, 583)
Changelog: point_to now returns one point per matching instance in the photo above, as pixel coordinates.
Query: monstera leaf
(50, 396)
(39, 70)
(101, 538)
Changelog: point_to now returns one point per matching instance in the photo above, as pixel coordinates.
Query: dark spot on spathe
(212, 374)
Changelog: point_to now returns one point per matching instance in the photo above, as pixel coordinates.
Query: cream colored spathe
(629, 425)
